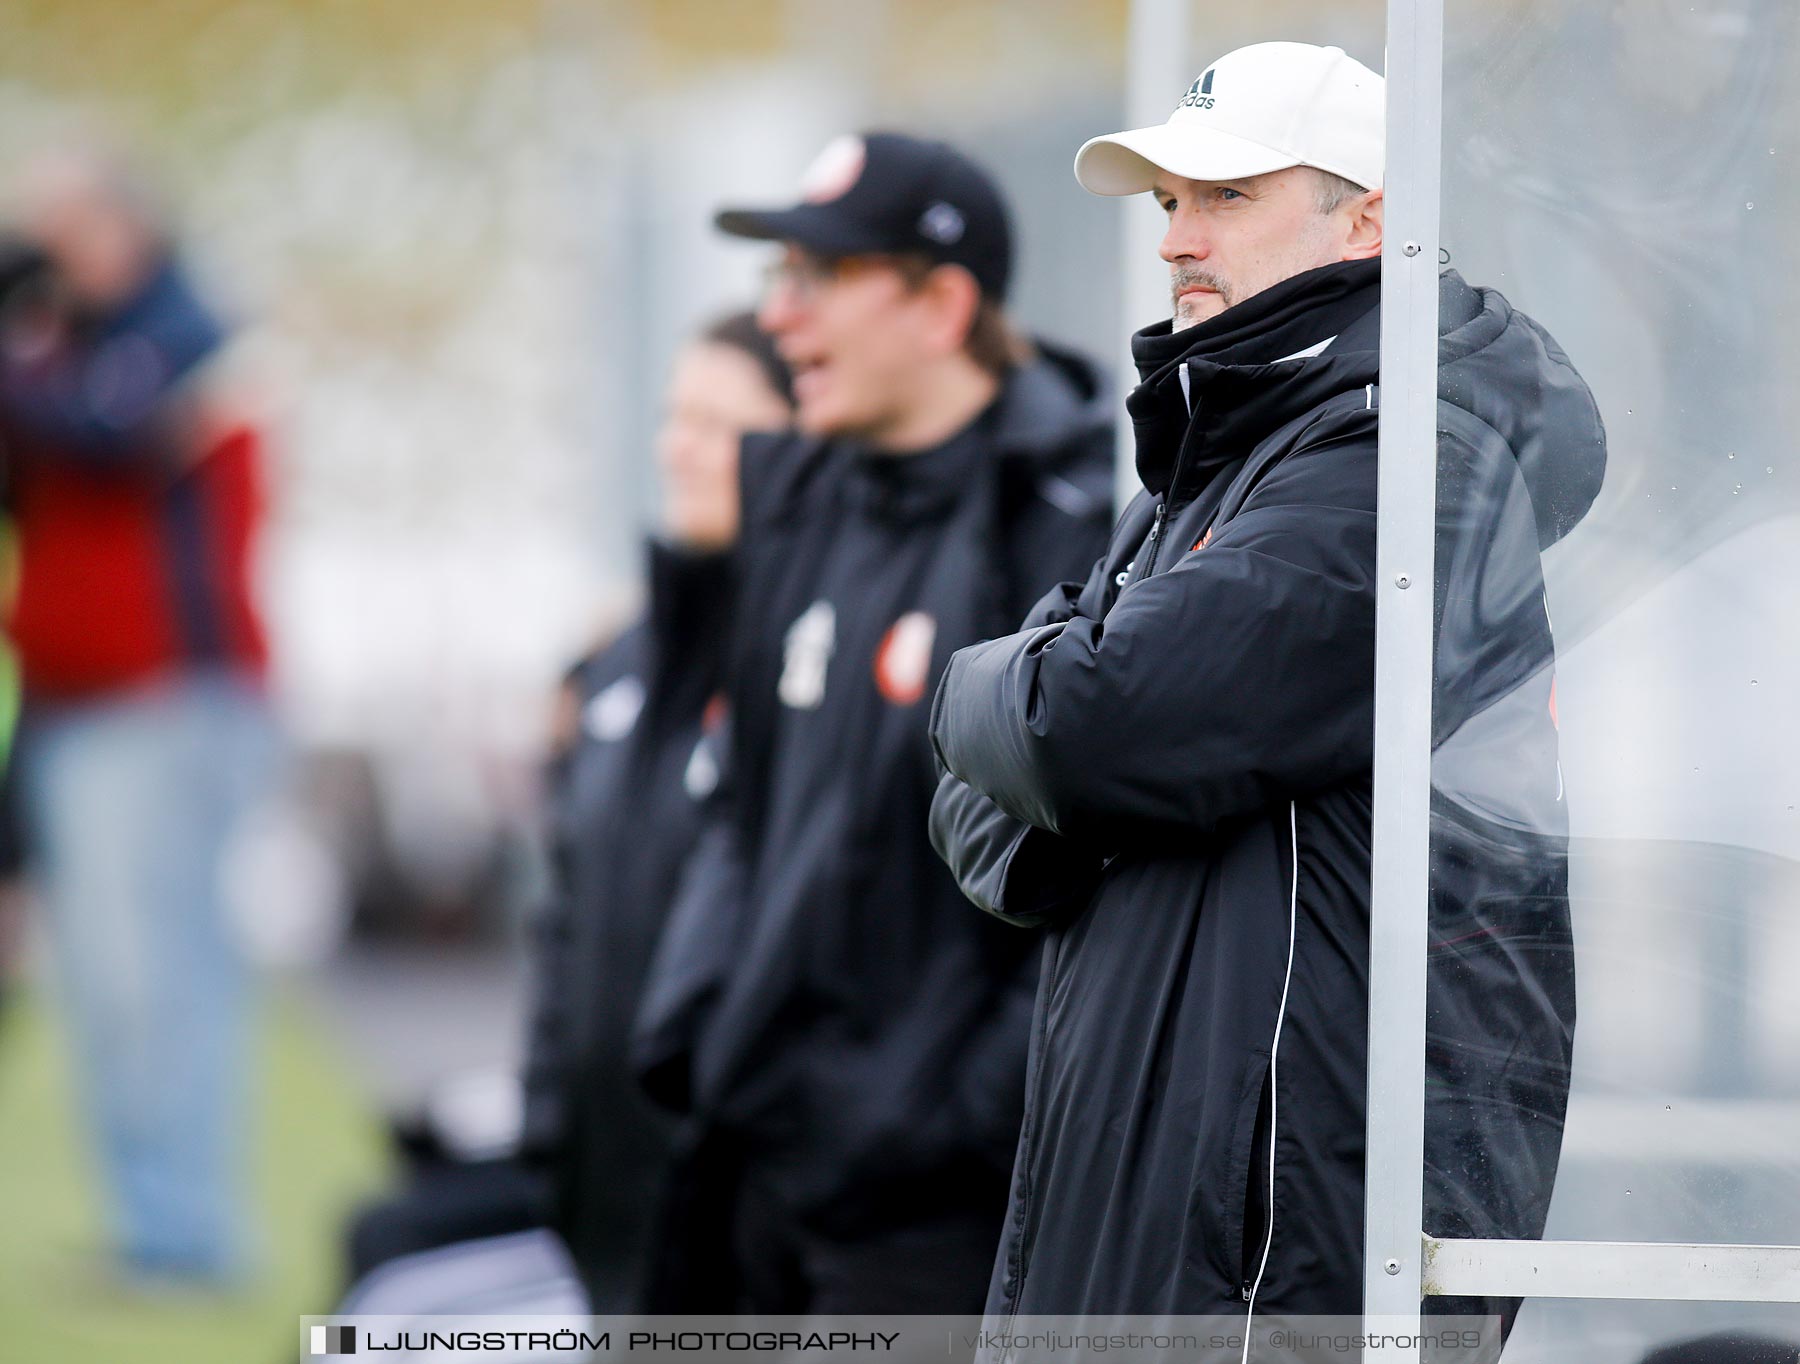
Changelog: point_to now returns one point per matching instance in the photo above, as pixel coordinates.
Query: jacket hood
(1040, 429)
(1246, 376)
(1051, 402)
(1504, 369)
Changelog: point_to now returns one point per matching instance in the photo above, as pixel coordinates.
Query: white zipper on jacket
(1274, 1089)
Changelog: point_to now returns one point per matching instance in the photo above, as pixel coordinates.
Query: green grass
(318, 1151)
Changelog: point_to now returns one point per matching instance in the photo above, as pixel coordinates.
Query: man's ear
(952, 298)
(1362, 237)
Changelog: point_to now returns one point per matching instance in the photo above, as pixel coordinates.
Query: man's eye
(1226, 192)
(1168, 205)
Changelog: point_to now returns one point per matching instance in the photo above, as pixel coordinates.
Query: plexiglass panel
(1616, 762)
(1581, 1332)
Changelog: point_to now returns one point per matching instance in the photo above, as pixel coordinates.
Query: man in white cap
(1169, 768)
(1271, 165)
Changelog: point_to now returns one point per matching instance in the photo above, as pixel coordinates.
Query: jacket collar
(1043, 410)
(1247, 371)
(1048, 402)
(921, 484)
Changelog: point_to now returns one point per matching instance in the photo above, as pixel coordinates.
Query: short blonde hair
(1331, 192)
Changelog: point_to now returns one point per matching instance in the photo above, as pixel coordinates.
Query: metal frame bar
(1406, 534)
(1613, 1269)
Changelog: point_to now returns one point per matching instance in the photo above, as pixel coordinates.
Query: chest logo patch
(700, 778)
(903, 661)
(806, 656)
(614, 711)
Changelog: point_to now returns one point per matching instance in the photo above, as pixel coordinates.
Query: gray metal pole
(1393, 1229)
(1157, 70)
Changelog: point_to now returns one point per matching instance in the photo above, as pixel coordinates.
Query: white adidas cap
(1261, 108)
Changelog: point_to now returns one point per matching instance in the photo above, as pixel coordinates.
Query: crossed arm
(1241, 676)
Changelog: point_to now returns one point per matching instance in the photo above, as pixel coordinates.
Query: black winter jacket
(1169, 767)
(822, 993)
(625, 811)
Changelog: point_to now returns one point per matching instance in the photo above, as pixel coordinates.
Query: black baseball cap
(890, 193)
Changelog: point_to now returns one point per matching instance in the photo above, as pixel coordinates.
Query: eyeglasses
(803, 279)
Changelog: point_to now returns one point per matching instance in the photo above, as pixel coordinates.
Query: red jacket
(134, 543)
(123, 576)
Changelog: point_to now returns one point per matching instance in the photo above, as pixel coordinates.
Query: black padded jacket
(822, 994)
(1168, 770)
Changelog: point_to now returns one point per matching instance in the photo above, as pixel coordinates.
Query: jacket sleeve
(549, 1044)
(546, 1078)
(693, 956)
(688, 613)
(1239, 677)
(1005, 866)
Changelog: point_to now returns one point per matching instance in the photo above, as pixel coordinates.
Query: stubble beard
(1186, 277)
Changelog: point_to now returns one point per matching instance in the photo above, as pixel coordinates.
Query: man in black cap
(823, 1002)
(886, 346)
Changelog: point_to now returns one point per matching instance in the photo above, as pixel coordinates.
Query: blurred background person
(135, 496)
(823, 1002)
(628, 812)
(629, 769)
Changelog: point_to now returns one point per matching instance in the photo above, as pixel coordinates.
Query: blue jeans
(130, 801)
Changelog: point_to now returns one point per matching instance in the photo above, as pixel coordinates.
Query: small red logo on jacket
(903, 660)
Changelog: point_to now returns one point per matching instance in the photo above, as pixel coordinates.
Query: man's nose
(1185, 240)
(780, 307)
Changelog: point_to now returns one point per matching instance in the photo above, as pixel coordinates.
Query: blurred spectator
(823, 999)
(628, 813)
(629, 771)
(145, 733)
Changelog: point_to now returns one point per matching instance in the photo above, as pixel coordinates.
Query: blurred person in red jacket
(145, 732)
